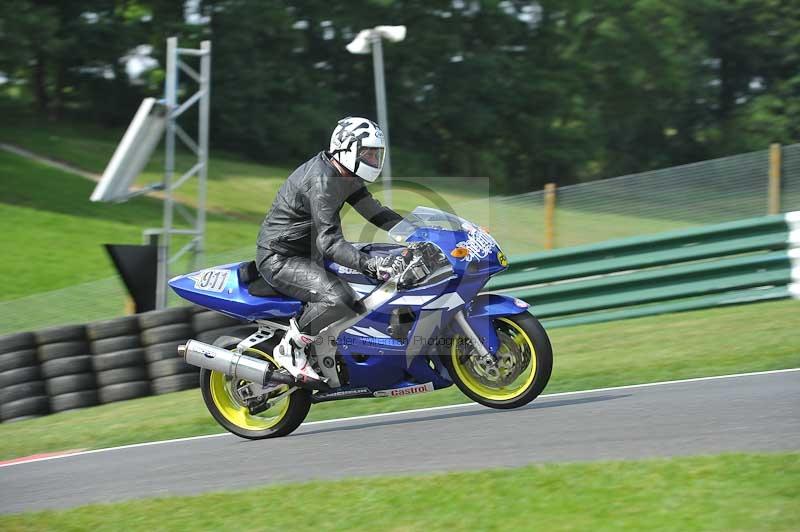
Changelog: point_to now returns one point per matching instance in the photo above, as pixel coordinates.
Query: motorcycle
(423, 329)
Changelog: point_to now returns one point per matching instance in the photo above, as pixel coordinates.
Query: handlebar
(426, 261)
(416, 271)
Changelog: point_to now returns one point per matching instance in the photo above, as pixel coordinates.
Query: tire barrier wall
(75, 366)
(750, 260)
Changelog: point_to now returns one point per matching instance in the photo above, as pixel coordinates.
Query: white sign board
(133, 152)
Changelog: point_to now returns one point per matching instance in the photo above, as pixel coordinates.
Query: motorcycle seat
(257, 286)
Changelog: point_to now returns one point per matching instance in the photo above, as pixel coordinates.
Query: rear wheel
(224, 399)
(516, 375)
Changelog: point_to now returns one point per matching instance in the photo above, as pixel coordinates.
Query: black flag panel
(137, 265)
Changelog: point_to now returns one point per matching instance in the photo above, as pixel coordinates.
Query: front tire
(523, 341)
(279, 420)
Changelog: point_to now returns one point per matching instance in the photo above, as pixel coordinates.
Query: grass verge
(58, 233)
(674, 346)
(723, 492)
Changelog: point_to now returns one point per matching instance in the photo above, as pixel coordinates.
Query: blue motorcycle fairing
(495, 305)
(487, 263)
(482, 311)
(373, 358)
(207, 288)
(381, 363)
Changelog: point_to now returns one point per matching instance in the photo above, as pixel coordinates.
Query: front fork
(471, 335)
(485, 358)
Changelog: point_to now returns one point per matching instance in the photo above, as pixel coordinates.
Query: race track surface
(759, 412)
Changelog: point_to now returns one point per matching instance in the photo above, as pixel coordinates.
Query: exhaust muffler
(232, 363)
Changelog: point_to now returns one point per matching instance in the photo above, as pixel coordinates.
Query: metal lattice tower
(197, 220)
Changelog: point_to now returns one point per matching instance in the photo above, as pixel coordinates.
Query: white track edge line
(402, 412)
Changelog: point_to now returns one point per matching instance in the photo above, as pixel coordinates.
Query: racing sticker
(408, 390)
(344, 270)
(501, 258)
(210, 280)
(478, 244)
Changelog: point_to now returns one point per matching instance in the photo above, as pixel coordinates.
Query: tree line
(524, 92)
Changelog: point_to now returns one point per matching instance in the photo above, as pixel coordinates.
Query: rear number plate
(210, 280)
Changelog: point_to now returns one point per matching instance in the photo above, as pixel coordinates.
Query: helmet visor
(371, 156)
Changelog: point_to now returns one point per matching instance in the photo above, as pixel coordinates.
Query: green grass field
(58, 233)
(724, 492)
(693, 344)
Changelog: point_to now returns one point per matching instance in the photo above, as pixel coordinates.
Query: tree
(69, 53)
(523, 92)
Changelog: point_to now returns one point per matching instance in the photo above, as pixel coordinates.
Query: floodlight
(370, 41)
(360, 45)
(133, 152)
(392, 33)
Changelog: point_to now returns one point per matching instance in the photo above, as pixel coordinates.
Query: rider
(303, 226)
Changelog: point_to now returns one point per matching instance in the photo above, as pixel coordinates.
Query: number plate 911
(210, 280)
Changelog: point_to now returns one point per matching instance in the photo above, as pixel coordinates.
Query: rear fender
(484, 308)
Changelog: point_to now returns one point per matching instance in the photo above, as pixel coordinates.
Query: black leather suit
(303, 227)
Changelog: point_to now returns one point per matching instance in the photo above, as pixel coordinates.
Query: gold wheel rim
(499, 393)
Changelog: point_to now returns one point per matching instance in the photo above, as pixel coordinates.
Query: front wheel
(229, 409)
(519, 372)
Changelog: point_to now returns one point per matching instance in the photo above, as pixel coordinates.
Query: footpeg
(312, 384)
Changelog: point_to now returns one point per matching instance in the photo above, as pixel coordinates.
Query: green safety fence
(748, 260)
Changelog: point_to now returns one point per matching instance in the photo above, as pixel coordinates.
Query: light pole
(365, 41)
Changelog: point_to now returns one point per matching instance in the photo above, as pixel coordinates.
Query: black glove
(382, 268)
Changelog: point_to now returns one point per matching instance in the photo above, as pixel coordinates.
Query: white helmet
(357, 143)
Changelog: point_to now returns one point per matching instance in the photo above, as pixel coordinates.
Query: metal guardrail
(747, 260)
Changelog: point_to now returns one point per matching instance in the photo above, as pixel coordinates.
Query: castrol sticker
(408, 390)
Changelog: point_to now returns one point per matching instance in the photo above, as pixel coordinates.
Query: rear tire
(533, 336)
(235, 418)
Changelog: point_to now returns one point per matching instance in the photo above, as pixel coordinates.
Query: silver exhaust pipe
(232, 363)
